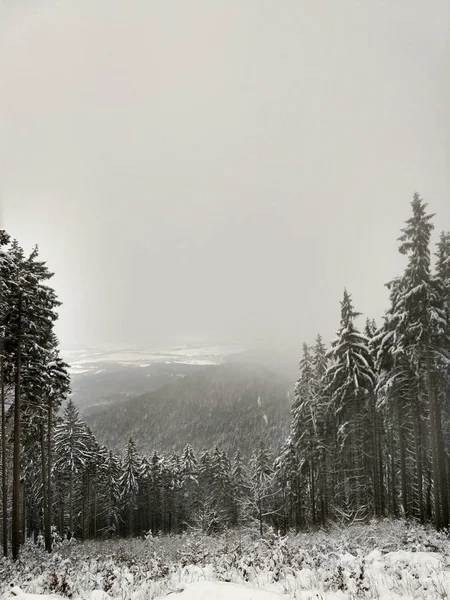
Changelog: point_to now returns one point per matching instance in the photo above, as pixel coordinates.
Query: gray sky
(220, 168)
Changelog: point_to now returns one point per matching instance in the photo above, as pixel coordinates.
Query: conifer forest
(369, 427)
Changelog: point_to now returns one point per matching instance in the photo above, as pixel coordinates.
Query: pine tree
(57, 387)
(172, 484)
(5, 265)
(144, 516)
(129, 482)
(156, 483)
(443, 359)
(397, 404)
(73, 450)
(262, 480)
(89, 487)
(351, 383)
(239, 489)
(15, 326)
(222, 487)
(111, 492)
(189, 476)
(287, 480)
(305, 425)
(323, 427)
(421, 337)
(377, 431)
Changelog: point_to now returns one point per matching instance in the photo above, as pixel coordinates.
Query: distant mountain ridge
(83, 360)
(103, 384)
(102, 375)
(233, 405)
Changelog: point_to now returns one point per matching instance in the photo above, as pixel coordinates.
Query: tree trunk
(71, 503)
(94, 508)
(443, 482)
(298, 505)
(393, 487)
(84, 502)
(23, 521)
(17, 443)
(130, 519)
(48, 521)
(418, 456)
(429, 503)
(62, 510)
(4, 481)
(149, 506)
(44, 475)
(402, 453)
(375, 465)
(109, 513)
(260, 517)
(87, 504)
(434, 446)
(322, 492)
(313, 490)
(379, 458)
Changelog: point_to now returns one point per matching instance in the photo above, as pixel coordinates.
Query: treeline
(370, 433)
(99, 493)
(369, 429)
(34, 381)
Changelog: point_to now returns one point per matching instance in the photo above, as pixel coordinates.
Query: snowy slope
(383, 561)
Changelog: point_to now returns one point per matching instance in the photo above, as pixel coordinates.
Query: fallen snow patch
(18, 594)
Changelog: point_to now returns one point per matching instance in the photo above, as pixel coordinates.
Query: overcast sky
(220, 168)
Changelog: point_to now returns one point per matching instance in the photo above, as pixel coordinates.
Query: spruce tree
(111, 492)
(350, 384)
(287, 480)
(421, 337)
(323, 427)
(5, 266)
(443, 360)
(156, 502)
(304, 431)
(129, 482)
(239, 489)
(189, 475)
(262, 482)
(73, 450)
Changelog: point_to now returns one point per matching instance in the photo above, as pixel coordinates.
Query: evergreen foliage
(369, 434)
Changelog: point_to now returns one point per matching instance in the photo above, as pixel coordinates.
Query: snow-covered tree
(189, 475)
(239, 489)
(287, 478)
(421, 337)
(111, 492)
(304, 430)
(350, 384)
(262, 485)
(442, 278)
(129, 482)
(73, 451)
(5, 266)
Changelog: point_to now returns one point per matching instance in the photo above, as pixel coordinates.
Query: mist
(199, 170)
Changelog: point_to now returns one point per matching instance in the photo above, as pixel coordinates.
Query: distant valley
(199, 395)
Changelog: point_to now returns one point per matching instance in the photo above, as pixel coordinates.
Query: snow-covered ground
(90, 359)
(387, 561)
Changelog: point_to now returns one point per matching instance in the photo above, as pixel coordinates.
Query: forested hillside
(367, 436)
(106, 383)
(235, 406)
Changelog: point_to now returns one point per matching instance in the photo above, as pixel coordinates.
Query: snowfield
(386, 561)
(89, 360)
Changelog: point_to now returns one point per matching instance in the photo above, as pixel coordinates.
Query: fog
(220, 169)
